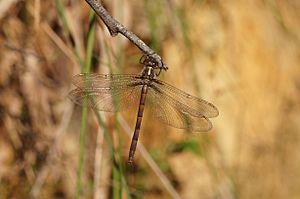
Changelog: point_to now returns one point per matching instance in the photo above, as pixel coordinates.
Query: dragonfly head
(153, 61)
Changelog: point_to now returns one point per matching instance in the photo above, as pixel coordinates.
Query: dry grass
(242, 56)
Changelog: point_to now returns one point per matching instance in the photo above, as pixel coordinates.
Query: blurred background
(243, 56)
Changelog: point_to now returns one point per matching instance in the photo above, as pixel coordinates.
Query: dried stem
(116, 27)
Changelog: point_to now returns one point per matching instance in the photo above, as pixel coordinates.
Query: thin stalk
(117, 186)
(168, 185)
(81, 149)
(116, 190)
(116, 171)
(61, 10)
(116, 161)
(86, 69)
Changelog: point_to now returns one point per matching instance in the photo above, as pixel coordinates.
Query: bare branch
(116, 27)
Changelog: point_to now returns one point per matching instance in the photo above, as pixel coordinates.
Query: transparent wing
(174, 113)
(95, 80)
(106, 92)
(193, 105)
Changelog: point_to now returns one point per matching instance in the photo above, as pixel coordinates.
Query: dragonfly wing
(95, 80)
(170, 112)
(193, 105)
(106, 92)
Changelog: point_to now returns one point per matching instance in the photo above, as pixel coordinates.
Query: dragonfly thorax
(148, 73)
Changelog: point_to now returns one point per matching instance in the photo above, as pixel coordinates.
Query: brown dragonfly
(167, 103)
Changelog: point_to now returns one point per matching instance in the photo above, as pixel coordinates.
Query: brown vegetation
(243, 56)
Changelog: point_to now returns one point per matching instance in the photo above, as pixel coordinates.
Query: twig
(116, 27)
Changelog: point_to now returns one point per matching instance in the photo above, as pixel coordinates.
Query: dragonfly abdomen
(138, 123)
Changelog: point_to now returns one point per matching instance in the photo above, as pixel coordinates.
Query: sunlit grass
(118, 175)
(243, 56)
(86, 69)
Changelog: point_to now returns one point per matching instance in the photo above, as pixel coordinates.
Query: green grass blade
(117, 166)
(61, 9)
(118, 174)
(81, 149)
(90, 42)
(86, 69)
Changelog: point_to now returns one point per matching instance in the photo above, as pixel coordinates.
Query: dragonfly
(167, 103)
